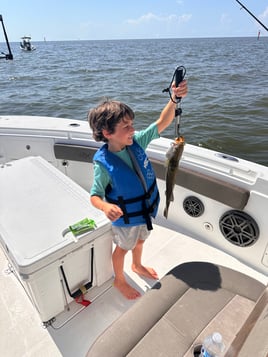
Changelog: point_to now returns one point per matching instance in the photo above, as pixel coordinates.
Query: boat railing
(227, 193)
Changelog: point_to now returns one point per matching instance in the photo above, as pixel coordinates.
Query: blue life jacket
(127, 190)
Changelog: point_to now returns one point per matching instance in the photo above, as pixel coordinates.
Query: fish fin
(166, 163)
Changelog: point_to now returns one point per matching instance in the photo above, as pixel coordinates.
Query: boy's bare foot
(145, 271)
(126, 290)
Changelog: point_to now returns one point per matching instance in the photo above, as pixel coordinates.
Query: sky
(60, 20)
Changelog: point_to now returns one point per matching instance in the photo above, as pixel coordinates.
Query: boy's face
(122, 136)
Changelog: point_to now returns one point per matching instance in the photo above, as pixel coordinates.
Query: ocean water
(226, 108)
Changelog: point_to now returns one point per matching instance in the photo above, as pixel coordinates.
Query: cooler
(37, 205)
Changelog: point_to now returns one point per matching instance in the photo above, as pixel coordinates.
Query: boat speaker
(239, 228)
(193, 206)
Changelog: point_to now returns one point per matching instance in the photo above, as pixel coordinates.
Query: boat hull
(210, 186)
(215, 195)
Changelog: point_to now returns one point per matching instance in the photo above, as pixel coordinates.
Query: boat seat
(252, 338)
(206, 185)
(191, 301)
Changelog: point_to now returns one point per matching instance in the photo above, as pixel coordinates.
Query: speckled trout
(173, 157)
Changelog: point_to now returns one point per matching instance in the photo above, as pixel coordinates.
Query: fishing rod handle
(179, 75)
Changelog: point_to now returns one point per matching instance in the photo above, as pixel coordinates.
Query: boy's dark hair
(106, 115)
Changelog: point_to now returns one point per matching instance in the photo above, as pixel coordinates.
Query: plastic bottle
(213, 346)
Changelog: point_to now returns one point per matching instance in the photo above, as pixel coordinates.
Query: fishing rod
(244, 7)
(8, 56)
(178, 77)
(175, 151)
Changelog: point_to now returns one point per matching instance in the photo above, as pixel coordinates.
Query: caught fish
(173, 155)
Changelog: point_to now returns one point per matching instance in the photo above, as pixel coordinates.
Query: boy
(124, 186)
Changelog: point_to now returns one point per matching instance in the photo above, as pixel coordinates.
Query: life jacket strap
(143, 197)
(145, 212)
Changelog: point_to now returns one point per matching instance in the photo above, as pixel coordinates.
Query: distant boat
(26, 45)
(259, 33)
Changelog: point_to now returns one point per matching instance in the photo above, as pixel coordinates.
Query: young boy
(124, 186)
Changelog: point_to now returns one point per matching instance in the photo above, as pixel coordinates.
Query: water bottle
(213, 346)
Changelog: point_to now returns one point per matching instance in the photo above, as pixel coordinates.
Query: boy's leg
(120, 282)
(137, 267)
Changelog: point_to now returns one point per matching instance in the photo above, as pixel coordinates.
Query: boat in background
(26, 45)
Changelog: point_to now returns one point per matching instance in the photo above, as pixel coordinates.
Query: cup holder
(197, 350)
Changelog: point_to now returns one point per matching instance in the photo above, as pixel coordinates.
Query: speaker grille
(239, 228)
(193, 206)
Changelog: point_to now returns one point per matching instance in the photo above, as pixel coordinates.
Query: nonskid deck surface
(20, 322)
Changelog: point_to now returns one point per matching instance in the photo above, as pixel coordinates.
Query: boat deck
(70, 337)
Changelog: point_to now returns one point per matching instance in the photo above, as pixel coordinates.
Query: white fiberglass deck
(22, 325)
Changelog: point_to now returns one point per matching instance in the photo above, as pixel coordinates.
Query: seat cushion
(252, 338)
(169, 318)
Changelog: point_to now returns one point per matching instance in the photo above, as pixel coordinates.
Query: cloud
(150, 17)
(225, 19)
(185, 17)
(264, 15)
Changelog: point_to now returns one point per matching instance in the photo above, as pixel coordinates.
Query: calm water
(226, 108)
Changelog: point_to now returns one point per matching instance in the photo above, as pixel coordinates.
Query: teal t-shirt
(101, 176)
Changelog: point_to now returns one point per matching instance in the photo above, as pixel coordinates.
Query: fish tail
(166, 212)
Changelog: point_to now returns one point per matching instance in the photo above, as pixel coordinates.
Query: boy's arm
(112, 212)
(167, 114)
(97, 192)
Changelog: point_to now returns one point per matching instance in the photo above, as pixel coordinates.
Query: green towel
(83, 226)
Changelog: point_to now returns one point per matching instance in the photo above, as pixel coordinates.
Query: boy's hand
(181, 90)
(112, 212)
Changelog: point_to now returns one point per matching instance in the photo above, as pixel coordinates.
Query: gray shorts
(126, 238)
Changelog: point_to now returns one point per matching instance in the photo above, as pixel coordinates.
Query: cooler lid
(37, 204)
